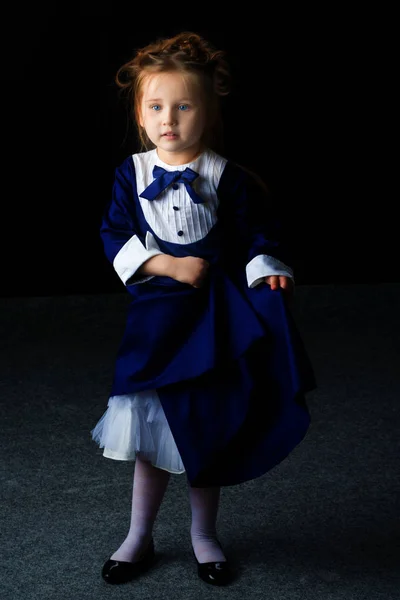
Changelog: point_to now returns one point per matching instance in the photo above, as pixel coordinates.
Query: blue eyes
(181, 107)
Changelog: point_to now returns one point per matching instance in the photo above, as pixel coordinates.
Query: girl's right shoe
(118, 571)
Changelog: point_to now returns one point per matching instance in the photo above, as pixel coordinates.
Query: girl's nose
(169, 118)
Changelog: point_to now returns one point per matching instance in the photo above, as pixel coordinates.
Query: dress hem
(107, 453)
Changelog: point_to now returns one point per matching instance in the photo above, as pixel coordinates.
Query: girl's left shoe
(215, 573)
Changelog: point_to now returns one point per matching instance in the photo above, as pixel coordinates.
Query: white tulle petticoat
(136, 425)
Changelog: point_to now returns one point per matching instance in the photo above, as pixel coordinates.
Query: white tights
(149, 486)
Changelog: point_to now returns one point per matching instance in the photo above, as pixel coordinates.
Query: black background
(311, 111)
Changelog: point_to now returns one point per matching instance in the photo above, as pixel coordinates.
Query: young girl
(211, 373)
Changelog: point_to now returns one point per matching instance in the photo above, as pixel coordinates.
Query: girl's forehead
(167, 82)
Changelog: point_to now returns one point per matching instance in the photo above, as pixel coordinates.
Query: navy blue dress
(226, 359)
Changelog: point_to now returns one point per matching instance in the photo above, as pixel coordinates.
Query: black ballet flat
(118, 571)
(215, 573)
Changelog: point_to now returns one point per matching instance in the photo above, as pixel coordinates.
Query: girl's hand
(277, 282)
(190, 269)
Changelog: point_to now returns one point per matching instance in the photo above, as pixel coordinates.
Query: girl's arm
(124, 247)
(258, 236)
(188, 269)
(134, 258)
(161, 264)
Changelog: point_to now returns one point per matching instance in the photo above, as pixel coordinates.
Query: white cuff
(132, 255)
(262, 266)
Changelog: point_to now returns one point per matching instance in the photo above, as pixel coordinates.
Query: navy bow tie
(165, 178)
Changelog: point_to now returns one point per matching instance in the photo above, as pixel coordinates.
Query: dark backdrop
(309, 111)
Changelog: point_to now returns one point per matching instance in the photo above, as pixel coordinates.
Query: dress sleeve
(258, 231)
(119, 230)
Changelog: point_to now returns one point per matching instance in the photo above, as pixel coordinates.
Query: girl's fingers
(279, 281)
(273, 281)
(285, 283)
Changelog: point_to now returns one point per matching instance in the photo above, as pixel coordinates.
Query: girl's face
(172, 112)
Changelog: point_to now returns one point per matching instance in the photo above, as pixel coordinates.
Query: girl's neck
(179, 158)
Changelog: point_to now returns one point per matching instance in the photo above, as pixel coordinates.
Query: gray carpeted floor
(323, 525)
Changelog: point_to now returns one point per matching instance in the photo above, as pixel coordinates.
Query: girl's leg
(204, 503)
(149, 485)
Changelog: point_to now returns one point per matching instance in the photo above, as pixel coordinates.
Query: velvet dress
(208, 381)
